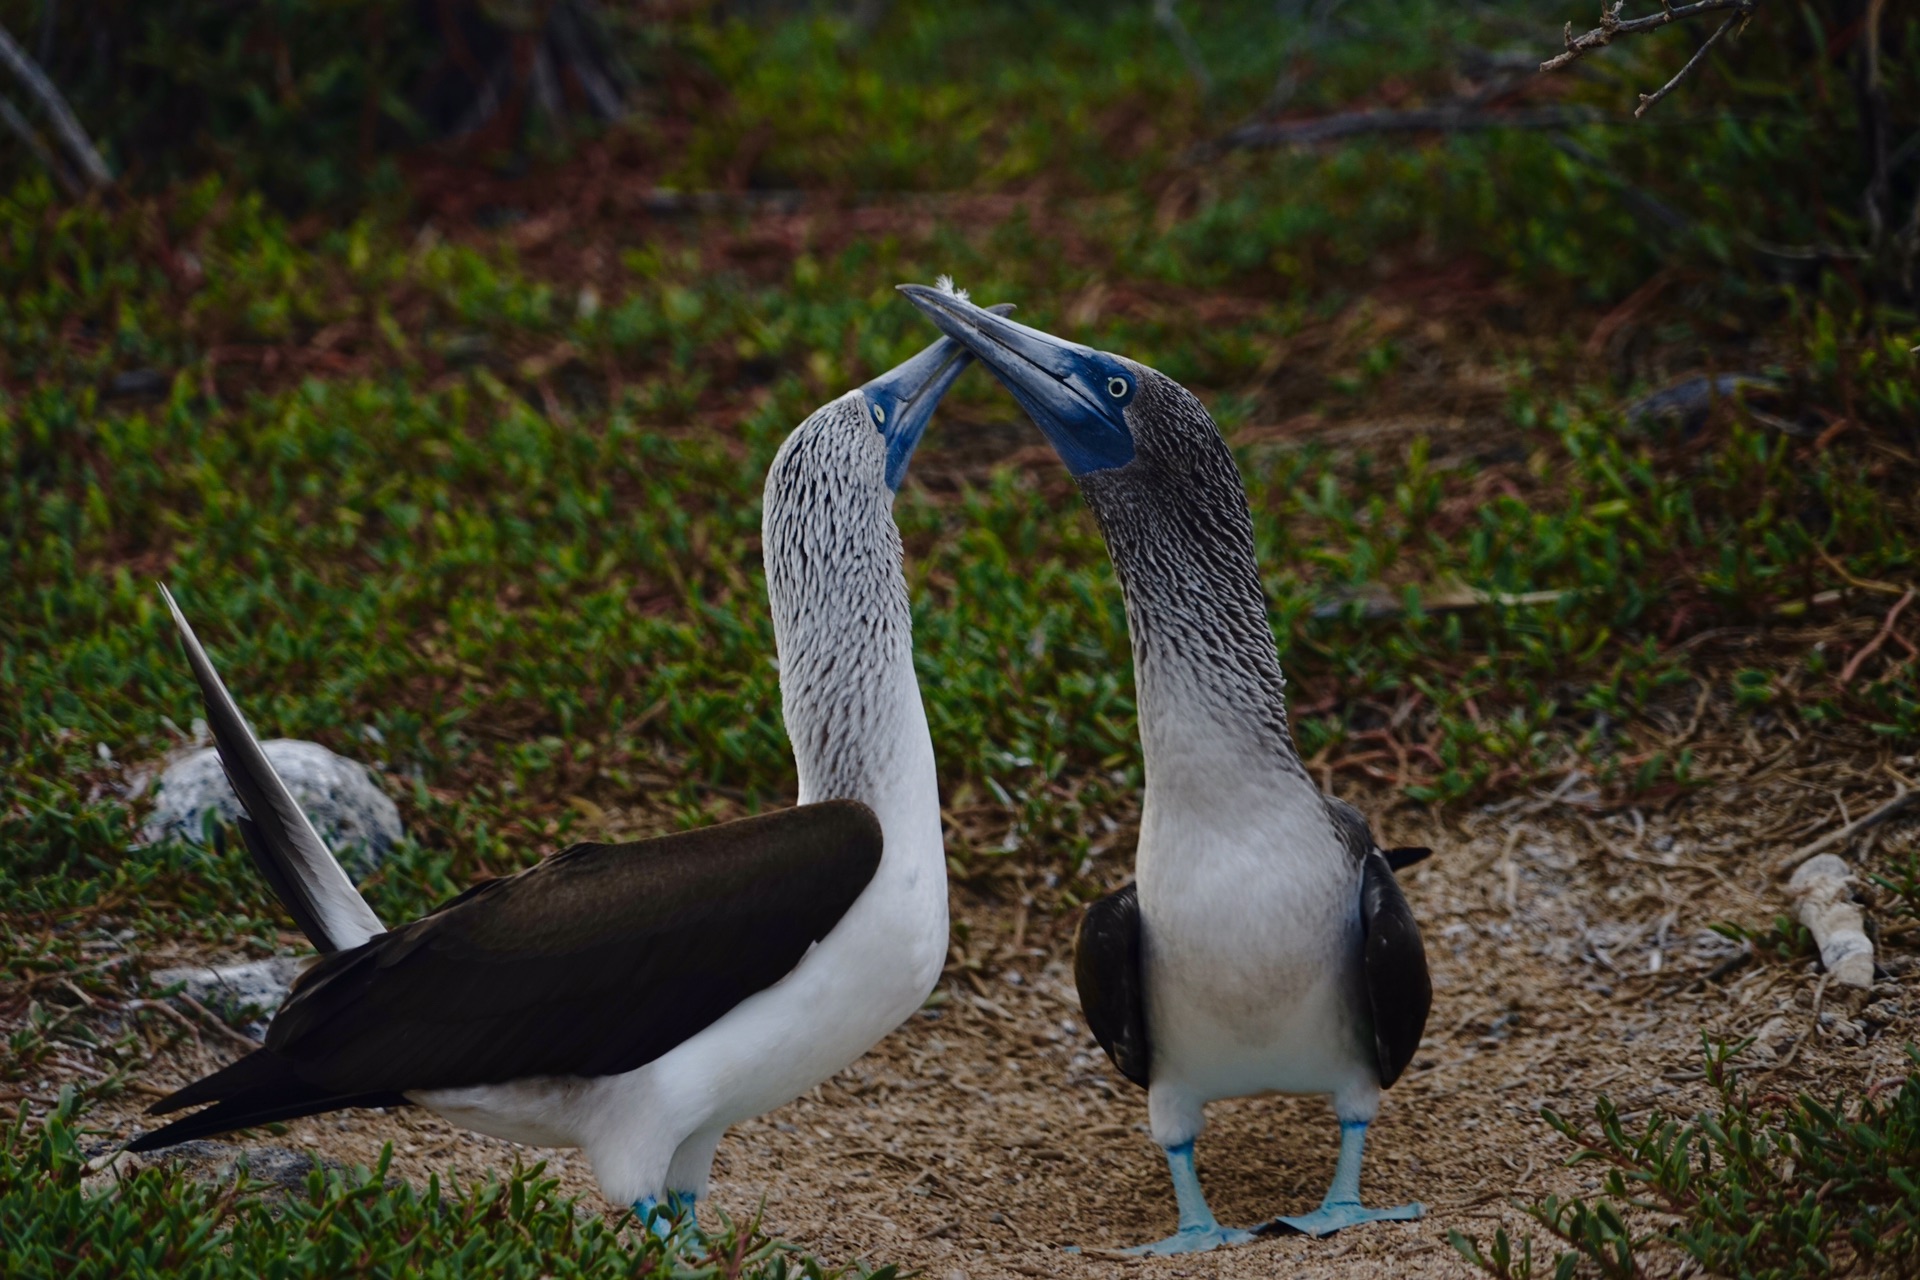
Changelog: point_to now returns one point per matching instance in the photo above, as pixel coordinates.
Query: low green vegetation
(466, 485)
(1761, 1188)
(56, 1220)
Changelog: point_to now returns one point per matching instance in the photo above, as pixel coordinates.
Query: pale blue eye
(1116, 387)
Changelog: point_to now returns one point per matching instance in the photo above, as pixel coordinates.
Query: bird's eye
(879, 415)
(1116, 387)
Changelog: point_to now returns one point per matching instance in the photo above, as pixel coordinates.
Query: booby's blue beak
(902, 400)
(1077, 395)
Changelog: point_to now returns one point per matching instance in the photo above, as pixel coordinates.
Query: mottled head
(1170, 501)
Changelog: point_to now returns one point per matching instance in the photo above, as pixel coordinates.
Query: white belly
(1253, 970)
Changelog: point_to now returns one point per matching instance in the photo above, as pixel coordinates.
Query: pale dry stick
(86, 156)
(1648, 99)
(1902, 798)
(1822, 894)
(1848, 672)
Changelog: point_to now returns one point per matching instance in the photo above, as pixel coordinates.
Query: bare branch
(1648, 99)
(1452, 118)
(23, 129)
(1611, 26)
(79, 146)
(1165, 14)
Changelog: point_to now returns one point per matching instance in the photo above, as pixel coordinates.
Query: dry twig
(1902, 798)
(1611, 25)
(1871, 647)
(1452, 118)
(216, 1022)
(1648, 99)
(65, 127)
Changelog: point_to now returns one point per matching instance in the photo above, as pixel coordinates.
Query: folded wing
(595, 962)
(1106, 971)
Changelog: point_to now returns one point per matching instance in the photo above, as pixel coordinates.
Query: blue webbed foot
(1342, 1207)
(1194, 1239)
(1329, 1218)
(665, 1218)
(1198, 1231)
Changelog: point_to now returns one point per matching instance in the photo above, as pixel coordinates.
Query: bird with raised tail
(1265, 946)
(634, 1000)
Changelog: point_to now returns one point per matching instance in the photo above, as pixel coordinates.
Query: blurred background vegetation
(436, 349)
(433, 353)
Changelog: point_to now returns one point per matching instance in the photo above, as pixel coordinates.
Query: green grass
(161, 1222)
(1763, 1190)
(523, 582)
(480, 507)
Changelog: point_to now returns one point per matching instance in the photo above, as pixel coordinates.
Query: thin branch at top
(1611, 26)
(1648, 99)
(23, 129)
(79, 146)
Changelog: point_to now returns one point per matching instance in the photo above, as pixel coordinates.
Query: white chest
(1252, 941)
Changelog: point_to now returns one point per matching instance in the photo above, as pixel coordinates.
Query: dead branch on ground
(1450, 118)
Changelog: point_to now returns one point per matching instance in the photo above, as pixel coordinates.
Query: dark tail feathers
(258, 1089)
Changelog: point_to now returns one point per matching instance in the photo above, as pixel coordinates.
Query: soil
(1571, 955)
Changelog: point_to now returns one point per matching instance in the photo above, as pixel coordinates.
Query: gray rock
(283, 1170)
(341, 799)
(250, 991)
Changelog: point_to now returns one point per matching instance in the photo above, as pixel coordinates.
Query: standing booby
(1265, 946)
(635, 1000)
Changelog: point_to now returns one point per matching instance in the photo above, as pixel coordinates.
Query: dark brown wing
(1398, 988)
(1106, 970)
(595, 962)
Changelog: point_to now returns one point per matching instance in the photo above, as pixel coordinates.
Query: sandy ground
(1569, 947)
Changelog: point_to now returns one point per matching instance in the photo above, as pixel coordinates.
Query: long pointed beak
(909, 393)
(1064, 387)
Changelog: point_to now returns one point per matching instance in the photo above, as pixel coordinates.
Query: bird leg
(1341, 1207)
(1198, 1231)
(665, 1218)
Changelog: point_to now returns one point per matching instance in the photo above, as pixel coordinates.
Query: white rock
(346, 806)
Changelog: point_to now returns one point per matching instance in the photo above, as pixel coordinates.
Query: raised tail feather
(291, 856)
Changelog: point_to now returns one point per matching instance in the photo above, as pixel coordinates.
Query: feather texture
(1106, 973)
(292, 857)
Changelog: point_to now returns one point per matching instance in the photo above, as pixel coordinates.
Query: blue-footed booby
(634, 1000)
(1265, 946)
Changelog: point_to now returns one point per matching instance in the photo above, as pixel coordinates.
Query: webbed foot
(1198, 1231)
(665, 1218)
(1196, 1239)
(1329, 1218)
(1341, 1207)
